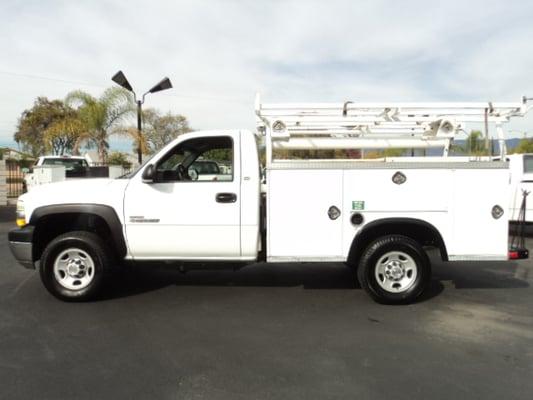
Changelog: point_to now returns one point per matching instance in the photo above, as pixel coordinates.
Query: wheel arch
(53, 220)
(422, 231)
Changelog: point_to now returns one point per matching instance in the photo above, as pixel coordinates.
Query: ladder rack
(350, 125)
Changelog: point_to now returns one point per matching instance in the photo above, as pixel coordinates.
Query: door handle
(226, 197)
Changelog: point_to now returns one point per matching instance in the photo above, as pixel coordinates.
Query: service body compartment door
(299, 227)
(477, 235)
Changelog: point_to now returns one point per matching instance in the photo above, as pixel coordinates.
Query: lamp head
(120, 79)
(163, 85)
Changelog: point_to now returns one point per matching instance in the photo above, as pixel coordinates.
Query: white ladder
(350, 125)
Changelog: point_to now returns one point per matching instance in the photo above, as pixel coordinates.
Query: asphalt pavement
(302, 331)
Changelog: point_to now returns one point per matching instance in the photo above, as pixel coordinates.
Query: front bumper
(21, 245)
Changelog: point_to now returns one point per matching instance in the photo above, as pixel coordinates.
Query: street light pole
(120, 79)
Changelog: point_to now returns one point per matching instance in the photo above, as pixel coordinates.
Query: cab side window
(204, 159)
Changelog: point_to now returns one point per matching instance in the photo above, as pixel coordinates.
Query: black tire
(87, 242)
(366, 271)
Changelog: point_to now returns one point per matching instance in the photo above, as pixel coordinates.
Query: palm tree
(474, 145)
(100, 115)
(139, 140)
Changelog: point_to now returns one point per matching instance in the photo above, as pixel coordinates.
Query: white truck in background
(57, 168)
(378, 217)
(521, 167)
(72, 164)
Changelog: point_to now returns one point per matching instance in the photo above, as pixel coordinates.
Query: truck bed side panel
(456, 199)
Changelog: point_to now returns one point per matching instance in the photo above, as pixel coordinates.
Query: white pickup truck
(521, 166)
(378, 217)
(75, 166)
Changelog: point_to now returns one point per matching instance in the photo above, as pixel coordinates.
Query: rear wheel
(73, 266)
(394, 269)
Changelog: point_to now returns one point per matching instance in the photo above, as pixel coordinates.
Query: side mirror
(149, 174)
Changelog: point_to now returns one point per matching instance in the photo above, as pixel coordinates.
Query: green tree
(119, 158)
(394, 152)
(474, 144)
(33, 128)
(61, 136)
(160, 129)
(524, 146)
(218, 154)
(100, 115)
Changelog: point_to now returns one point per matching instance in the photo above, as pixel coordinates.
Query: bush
(524, 146)
(119, 158)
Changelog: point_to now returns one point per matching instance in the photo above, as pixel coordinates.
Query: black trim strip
(22, 235)
(403, 223)
(106, 212)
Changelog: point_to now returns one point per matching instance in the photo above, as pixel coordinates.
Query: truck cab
(170, 215)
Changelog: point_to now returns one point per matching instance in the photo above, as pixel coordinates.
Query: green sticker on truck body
(358, 205)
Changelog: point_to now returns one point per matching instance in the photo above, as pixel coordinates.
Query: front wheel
(394, 269)
(73, 266)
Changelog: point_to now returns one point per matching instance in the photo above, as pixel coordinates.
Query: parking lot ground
(303, 331)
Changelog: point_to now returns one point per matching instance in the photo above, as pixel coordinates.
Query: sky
(218, 54)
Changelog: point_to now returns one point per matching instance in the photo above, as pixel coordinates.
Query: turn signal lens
(21, 214)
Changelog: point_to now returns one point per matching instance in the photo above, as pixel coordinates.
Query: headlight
(21, 214)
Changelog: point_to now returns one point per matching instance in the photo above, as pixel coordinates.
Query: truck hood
(108, 192)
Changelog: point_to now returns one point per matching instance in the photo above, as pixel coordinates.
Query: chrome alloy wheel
(396, 271)
(74, 269)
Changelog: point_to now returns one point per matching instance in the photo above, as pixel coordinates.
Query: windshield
(70, 164)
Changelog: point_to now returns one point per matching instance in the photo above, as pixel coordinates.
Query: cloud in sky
(219, 53)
